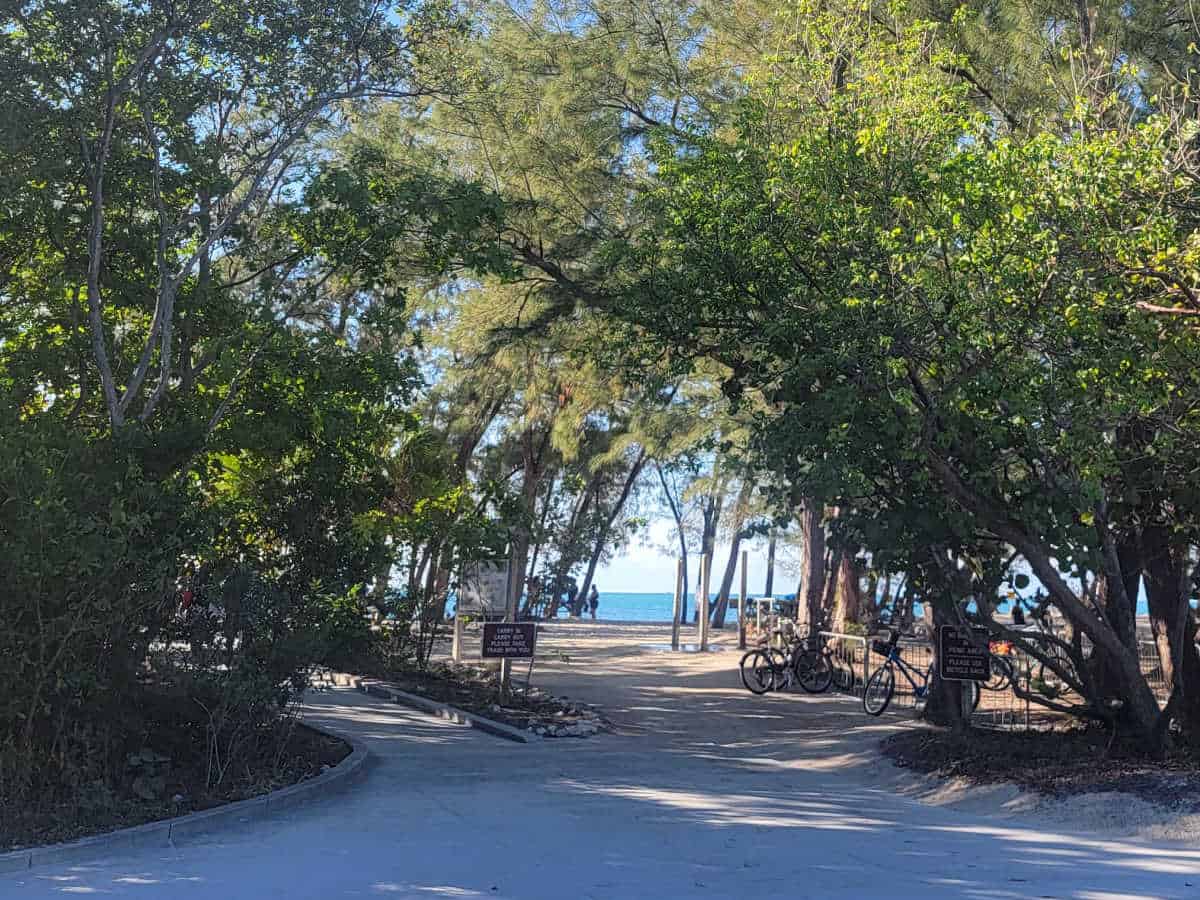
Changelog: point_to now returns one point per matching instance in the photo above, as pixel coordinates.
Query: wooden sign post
(456, 647)
(678, 613)
(704, 567)
(742, 605)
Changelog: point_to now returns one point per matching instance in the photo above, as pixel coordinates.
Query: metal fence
(1151, 667)
(851, 658)
(855, 656)
(855, 660)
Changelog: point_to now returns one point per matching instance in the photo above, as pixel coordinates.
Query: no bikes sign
(963, 657)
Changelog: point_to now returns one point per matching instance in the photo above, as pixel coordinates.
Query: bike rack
(838, 644)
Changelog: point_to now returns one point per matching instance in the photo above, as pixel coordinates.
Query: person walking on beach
(594, 601)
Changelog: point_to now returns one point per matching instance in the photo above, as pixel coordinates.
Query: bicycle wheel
(757, 671)
(779, 668)
(813, 671)
(975, 694)
(878, 692)
(1002, 674)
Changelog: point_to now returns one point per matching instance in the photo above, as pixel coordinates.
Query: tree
(887, 218)
(197, 113)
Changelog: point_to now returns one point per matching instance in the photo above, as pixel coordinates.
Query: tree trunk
(532, 452)
(813, 531)
(849, 604)
(770, 583)
(1140, 704)
(712, 516)
(944, 703)
(677, 514)
(717, 619)
(1116, 594)
(1173, 625)
(531, 598)
(721, 607)
(833, 562)
(602, 537)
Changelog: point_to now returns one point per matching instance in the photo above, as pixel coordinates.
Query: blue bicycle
(882, 684)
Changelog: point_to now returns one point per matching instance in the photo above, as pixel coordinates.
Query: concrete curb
(386, 691)
(180, 830)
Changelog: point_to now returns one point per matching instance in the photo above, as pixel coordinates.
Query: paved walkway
(704, 792)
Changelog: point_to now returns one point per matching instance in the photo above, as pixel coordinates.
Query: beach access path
(701, 791)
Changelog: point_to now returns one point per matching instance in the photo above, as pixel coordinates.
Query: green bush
(347, 642)
(88, 549)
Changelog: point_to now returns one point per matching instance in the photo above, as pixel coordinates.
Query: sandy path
(694, 703)
(704, 792)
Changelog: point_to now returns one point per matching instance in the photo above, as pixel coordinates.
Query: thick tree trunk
(812, 529)
(944, 700)
(1173, 625)
(833, 561)
(849, 603)
(1116, 594)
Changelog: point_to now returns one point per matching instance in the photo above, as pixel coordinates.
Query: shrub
(87, 555)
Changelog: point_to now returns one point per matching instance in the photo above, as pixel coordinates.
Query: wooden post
(705, 565)
(678, 614)
(742, 605)
(510, 615)
(456, 647)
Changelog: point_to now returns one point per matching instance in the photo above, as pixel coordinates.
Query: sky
(644, 568)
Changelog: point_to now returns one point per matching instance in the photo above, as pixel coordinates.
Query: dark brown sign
(509, 640)
(961, 658)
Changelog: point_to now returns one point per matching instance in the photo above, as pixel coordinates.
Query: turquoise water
(657, 607)
(635, 607)
(640, 607)
(643, 607)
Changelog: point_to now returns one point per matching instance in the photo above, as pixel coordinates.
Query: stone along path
(703, 791)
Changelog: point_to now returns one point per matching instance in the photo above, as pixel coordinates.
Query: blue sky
(642, 568)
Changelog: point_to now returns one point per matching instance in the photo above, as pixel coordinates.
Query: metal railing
(851, 660)
(1152, 668)
(917, 654)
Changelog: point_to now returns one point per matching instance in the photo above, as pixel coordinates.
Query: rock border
(385, 691)
(181, 829)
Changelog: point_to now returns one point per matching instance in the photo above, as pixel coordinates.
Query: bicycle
(882, 684)
(1002, 669)
(767, 668)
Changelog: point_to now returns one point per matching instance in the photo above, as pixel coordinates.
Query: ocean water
(640, 607)
(646, 607)
(635, 607)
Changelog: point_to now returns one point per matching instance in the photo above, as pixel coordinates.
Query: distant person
(573, 599)
(594, 601)
(1018, 611)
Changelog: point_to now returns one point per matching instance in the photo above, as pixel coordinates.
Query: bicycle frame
(909, 671)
